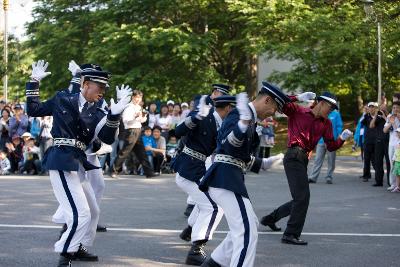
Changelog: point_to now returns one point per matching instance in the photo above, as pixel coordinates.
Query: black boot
(196, 255)
(65, 260)
(83, 255)
(186, 234)
(101, 228)
(210, 263)
(63, 229)
(270, 222)
(188, 210)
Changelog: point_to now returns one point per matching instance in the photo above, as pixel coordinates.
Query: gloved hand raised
(271, 161)
(39, 70)
(74, 68)
(125, 94)
(306, 96)
(203, 108)
(242, 104)
(346, 134)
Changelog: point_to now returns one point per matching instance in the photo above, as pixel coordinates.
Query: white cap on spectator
(170, 102)
(184, 104)
(398, 130)
(374, 104)
(26, 134)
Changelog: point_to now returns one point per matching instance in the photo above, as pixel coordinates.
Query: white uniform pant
(206, 215)
(75, 209)
(239, 246)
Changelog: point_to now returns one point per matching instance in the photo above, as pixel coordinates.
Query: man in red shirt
(305, 127)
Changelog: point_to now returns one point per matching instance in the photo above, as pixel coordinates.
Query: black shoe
(65, 260)
(366, 179)
(63, 229)
(269, 221)
(311, 181)
(196, 255)
(186, 234)
(151, 175)
(210, 263)
(376, 184)
(291, 239)
(101, 228)
(188, 210)
(83, 255)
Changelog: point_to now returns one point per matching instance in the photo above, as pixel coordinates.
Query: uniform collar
(218, 118)
(82, 101)
(253, 109)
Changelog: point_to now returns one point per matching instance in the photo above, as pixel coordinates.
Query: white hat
(374, 104)
(184, 104)
(170, 102)
(26, 134)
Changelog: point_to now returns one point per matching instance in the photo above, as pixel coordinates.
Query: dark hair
(145, 128)
(157, 128)
(396, 95)
(163, 106)
(397, 103)
(137, 92)
(4, 109)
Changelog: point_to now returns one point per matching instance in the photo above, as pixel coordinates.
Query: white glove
(123, 91)
(39, 70)
(304, 97)
(346, 134)
(125, 94)
(203, 108)
(242, 102)
(74, 68)
(271, 161)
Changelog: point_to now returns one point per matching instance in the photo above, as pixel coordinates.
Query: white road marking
(171, 231)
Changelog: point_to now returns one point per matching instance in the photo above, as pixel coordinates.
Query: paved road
(349, 223)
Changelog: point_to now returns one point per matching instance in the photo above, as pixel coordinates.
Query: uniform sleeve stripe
(189, 123)
(234, 141)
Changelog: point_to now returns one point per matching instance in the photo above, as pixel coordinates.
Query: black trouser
(132, 143)
(158, 159)
(264, 152)
(295, 163)
(381, 151)
(369, 156)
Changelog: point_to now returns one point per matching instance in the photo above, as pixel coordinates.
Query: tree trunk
(251, 79)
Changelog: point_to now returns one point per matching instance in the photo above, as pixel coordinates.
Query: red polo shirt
(305, 130)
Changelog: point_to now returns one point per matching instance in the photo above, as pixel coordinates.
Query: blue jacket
(201, 136)
(337, 125)
(231, 141)
(69, 123)
(357, 140)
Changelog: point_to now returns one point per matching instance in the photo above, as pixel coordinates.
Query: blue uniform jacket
(201, 136)
(69, 123)
(231, 141)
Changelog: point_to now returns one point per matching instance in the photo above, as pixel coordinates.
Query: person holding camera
(381, 145)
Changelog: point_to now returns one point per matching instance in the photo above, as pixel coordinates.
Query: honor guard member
(200, 128)
(305, 127)
(218, 89)
(76, 122)
(96, 186)
(224, 180)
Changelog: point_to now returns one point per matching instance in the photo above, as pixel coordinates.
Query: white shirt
(163, 122)
(82, 102)
(393, 138)
(152, 120)
(132, 116)
(47, 124)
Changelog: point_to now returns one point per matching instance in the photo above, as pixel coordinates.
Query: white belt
(230, 160)
(69, 142)
(194, 154)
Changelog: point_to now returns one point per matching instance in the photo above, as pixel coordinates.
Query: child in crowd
(31, 153)
(268, 131)
(15, 153)
(5, 165)
(172, 146)
(149, 143)
(396, 164)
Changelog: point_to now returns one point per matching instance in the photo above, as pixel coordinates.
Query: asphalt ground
(349, 223)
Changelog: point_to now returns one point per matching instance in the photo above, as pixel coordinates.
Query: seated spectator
(31, 153)
(15, 153)
(172, 147)
(5, 166)
(19, 123)
(159, 152)
(149, 143)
